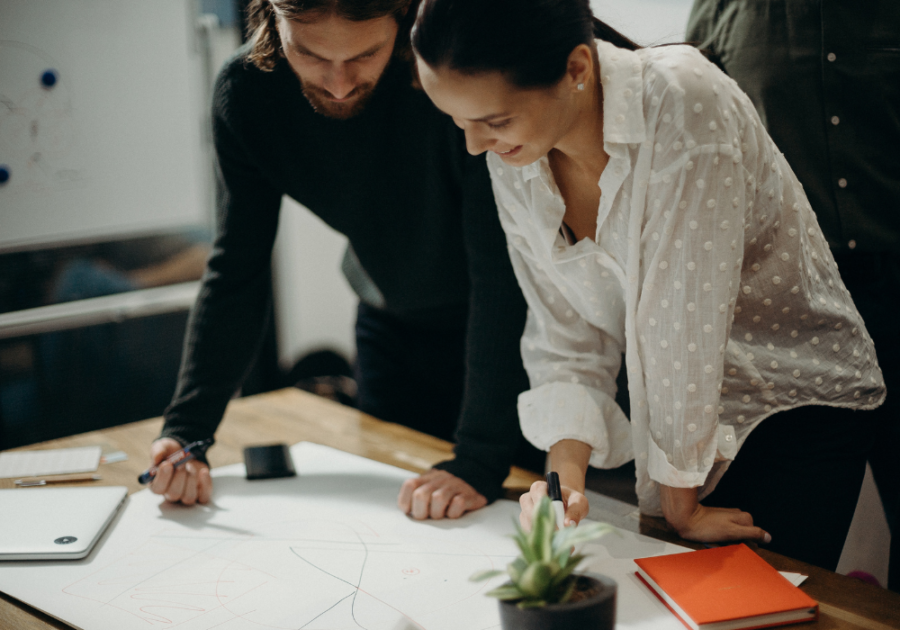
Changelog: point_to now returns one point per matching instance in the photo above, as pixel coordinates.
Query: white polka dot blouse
(708, 271)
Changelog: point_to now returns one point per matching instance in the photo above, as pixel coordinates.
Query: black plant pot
(597, 612)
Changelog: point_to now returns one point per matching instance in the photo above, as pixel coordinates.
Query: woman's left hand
(703, 524)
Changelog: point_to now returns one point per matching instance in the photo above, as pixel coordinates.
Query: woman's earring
(580, 87)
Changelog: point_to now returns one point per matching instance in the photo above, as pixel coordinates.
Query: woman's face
(517, 124)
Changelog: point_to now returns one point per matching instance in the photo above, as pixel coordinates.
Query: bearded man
(320, 105)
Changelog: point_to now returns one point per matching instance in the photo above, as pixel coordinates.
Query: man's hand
(438, 494)
(189, 483)
(696, 522)
(576, 504)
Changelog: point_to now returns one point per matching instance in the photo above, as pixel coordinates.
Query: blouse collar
(623, 123)
(621, 75)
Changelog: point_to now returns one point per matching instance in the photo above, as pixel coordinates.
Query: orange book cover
(725, 588)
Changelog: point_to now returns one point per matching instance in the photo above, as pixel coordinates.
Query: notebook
(725, 588)
(55, 523)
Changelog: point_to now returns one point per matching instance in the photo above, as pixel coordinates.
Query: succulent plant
(543, 573)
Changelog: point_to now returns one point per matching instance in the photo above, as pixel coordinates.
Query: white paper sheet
(58, 461)
(794, 578)
(325, 550)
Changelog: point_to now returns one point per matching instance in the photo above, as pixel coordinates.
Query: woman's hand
(696, 522)
(570, 459)
(576, 504)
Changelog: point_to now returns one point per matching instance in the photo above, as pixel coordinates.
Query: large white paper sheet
(326, 550)
(57, 461)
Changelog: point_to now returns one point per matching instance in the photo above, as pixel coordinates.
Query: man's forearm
(224, 334)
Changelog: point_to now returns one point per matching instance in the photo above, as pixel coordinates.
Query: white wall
(647, 22)
(314, 306)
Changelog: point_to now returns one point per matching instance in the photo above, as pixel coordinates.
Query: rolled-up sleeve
(571, 364)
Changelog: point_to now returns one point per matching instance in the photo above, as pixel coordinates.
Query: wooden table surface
(292, 416)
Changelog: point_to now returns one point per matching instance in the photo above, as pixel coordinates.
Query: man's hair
(262, 16)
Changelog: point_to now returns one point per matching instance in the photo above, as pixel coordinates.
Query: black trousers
(799, 474)
(874, 282)
(408, 374)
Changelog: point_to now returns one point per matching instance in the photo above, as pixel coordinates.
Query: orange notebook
(726, 588)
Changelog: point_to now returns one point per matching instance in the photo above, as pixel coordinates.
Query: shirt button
(831, 56)
(835, 120)
(842, 182)
(852, 244)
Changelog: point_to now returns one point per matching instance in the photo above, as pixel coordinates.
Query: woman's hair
(265, 44)
(529, 41)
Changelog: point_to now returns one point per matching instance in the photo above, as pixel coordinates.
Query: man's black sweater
(419, 214)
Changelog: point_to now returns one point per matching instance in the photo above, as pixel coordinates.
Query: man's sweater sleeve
(227, 323)
(488, 431)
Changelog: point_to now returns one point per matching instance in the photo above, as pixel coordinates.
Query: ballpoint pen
(189, 452)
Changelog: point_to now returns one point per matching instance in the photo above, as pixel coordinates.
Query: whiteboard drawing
(38, 135)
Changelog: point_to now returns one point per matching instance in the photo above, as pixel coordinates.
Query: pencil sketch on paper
(310, 574)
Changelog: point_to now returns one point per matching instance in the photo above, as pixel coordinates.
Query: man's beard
(322, 102)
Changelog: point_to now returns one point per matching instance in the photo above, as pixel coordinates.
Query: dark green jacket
(825, 78)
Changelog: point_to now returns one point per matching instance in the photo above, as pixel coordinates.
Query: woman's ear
(579, 68)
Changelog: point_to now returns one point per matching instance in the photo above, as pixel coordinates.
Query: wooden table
(292, 416)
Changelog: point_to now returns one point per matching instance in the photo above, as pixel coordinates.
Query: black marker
(555, 494)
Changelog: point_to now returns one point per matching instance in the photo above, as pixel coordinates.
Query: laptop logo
(65, 540)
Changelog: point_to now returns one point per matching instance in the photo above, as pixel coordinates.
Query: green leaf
(566, 595)
(562, 558)
(543, 529)
(480, 576)
(516, 568)
(506, 591)
(535, 580)
(524, 545)
(572, 536)
(539, 530)
(563, 574)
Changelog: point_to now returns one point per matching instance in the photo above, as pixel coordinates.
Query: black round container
(597, 612)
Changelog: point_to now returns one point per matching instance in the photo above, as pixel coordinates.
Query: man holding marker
(321, 106)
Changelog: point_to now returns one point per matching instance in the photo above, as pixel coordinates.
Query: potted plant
(544, 592)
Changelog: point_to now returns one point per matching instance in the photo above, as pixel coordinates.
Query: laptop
(55, 523)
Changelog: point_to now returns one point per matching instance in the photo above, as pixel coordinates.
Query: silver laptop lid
(55, 523)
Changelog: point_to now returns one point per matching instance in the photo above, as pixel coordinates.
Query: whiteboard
(101, 120)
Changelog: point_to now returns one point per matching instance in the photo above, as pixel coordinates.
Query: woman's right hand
(188, 484)
(575, 502)
(699, 523)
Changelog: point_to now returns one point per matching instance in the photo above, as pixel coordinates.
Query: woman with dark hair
(647, 212)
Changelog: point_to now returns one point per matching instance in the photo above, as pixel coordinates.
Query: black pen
(189, 452)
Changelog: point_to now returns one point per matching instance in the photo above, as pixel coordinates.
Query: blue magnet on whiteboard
(4, 174)
(48, 78)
